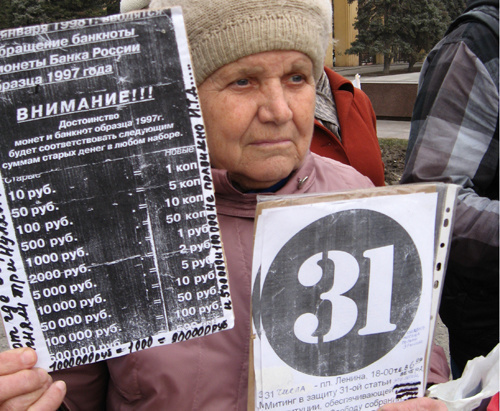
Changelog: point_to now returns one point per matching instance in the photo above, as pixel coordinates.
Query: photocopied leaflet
(345, 291)
(109, 239)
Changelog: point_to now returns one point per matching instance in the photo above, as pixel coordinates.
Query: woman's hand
(23, 387)
(418, 404)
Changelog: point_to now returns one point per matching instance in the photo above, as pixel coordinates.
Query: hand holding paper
(23, 387)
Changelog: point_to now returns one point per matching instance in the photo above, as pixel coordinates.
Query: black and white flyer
(342, 303)
(109, 240)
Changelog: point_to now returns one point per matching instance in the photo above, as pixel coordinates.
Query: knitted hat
(223, 31)
(130, 5)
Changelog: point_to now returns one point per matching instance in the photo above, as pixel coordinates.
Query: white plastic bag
(478, 382)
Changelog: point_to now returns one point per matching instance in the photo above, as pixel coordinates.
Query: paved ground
(393, 129)
(375, 71)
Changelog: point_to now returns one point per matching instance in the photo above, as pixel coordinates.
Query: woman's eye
(297, 78)
(242, 82)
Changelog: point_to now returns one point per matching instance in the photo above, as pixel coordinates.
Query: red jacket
(358, 126)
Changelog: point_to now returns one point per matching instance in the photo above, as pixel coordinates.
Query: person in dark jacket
(454, 139)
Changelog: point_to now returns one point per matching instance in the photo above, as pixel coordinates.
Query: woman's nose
(274, 106)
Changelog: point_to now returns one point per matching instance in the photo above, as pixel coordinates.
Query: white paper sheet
(350, 333)
(108, 229)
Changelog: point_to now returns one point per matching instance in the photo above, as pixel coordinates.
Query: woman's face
(259, 116)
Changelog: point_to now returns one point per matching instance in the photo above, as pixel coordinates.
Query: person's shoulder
(328, 163)
(467, 42)
(478, 29)
(341, 84)
(336, 173)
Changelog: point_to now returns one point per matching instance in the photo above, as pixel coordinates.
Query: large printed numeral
(347, 282)
(333, 274)
(378, 312)
(342, 271)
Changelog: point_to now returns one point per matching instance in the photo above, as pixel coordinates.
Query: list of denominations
(109, 240)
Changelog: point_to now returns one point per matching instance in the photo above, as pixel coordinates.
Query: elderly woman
(257, 63)
(345, 123)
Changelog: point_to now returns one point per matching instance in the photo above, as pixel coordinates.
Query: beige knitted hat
(223, 31)
(130, 5)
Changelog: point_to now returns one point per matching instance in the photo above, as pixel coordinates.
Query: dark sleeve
(454, 139)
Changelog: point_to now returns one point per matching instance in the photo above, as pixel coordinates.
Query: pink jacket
(208, 373)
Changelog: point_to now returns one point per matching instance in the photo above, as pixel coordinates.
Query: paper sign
(342, 301)
(109, 240)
